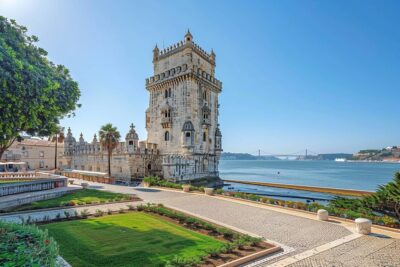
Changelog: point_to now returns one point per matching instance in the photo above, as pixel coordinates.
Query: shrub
(84, 213)
(389, 221)
(227, 233)
(131, 207)
(71, 203)
(121, 210)
(219, 191)
(80, 203)
(26, 245)
(67, 214)
(179, 261)
(98, 213)
(109, 212)
(76, 213)
(102, 201)
(58, 216)
(229, 247)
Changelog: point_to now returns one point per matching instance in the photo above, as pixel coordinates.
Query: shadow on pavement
(147, 190)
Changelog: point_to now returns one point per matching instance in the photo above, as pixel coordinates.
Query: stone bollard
(84, 185)
(186, 188)
(363, 226)
(209, 191)
(322, 215)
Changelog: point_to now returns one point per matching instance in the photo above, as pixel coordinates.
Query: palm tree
(109, 139)
(58, 138)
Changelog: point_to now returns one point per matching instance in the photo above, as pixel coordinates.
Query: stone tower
(182, 117)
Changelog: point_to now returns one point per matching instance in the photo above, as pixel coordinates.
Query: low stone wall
(36, 185)
(9, 205)
(87, 177)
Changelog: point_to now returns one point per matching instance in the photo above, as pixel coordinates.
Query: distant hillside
(385, 154)
(244, 156)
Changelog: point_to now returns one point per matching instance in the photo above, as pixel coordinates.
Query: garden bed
(163, 237)
(82, 197)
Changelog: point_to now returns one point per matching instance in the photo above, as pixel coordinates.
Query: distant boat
(340, 160)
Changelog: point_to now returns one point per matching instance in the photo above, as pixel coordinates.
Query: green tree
(387, 197)
(109, 139)
(34, 92)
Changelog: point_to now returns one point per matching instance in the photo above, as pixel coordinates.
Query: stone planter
(322, 215)
(84, 185)
(186, 188)
(146, 184)
(209, 191)
(363, 226)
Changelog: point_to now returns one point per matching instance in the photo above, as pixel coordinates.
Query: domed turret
(132, 140)
(188, 37)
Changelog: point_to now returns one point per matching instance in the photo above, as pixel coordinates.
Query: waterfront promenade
(305, 241)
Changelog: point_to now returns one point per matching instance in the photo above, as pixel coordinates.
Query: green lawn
(78, 196)
(131, 239)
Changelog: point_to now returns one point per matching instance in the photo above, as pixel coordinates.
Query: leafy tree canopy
(34, 92)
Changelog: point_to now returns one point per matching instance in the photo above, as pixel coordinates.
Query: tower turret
(156, 52)
(188, 37)
(132, 140)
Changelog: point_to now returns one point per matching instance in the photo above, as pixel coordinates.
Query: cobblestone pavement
(364, 252)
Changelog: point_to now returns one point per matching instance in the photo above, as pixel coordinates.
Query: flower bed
(26, 245)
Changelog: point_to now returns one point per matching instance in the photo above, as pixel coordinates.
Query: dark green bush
(26, 245)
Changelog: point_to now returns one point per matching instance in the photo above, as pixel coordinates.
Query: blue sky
(322, 75)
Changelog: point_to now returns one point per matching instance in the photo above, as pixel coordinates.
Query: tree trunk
(55, 155)
(1, 152)
(109, 163)
(397, 209)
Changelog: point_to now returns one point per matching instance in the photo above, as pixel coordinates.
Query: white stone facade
(182, 117)
(131, 159)
(184, 139)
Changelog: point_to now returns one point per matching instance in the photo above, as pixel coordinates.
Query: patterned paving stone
(366, 251)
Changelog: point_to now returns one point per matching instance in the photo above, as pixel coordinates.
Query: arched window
(169, 92)
(166, 93)
(166, 136)
(204, 136)
(205, 95)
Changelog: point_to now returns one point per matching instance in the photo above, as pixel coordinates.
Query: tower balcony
(206, 122)
(166, 122)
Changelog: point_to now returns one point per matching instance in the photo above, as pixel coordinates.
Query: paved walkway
(306, 242)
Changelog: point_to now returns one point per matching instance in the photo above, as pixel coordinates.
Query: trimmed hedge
(26, 245)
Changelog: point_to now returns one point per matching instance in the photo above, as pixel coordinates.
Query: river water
(347, 175)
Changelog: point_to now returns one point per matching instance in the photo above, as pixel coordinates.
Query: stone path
(309, 242)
